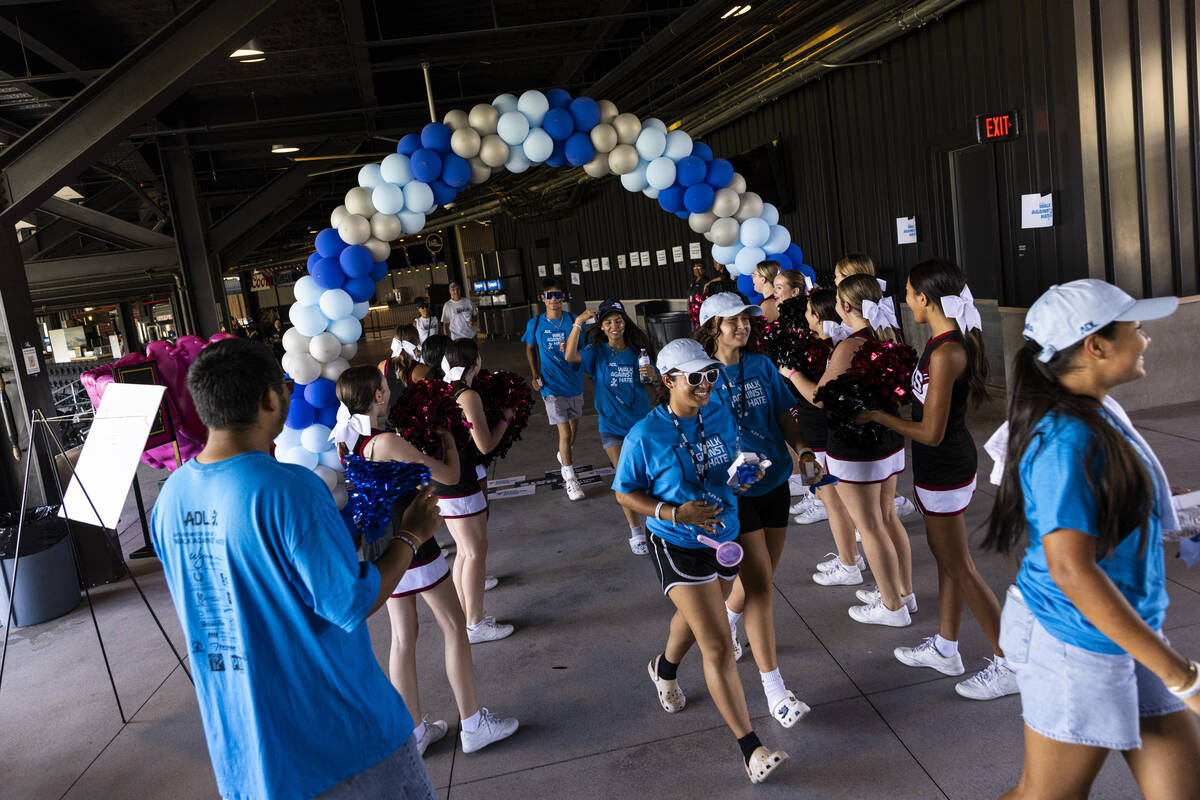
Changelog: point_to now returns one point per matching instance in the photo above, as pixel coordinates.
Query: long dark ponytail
(462, 353)
(1116, 475)
(937, 279)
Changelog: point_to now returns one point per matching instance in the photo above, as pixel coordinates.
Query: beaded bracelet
(407, 540)
(658, 508)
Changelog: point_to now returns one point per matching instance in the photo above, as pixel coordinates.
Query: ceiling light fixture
(249, 53)
(743, 11)
(284, 148)
(731, 12)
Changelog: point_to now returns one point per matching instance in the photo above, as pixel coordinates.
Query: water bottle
(644, 361)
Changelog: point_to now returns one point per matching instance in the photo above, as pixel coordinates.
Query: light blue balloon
(307, 291)
(660, 173)
(779, 239)
(287, 439)
(336, 303)
(331, 459)
(418, 197)
(361, 309)
(651, 143)
(315, 438)
(657, 124)
(395, 168)
(411, 222)
(771, 214)
(650, 192)
(635, 180)
(370, 176)
(388, 198)
(505, 103)
(513, 127)
(309, 320)
(348, 330)
(538, 146)
(299, 456)
(754, 232)
(534, 105)
(517, 162)
(679, 145)
(725, 253)
(747, 259)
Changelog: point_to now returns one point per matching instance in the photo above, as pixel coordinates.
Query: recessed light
(249, 53)
(744, 10)
(731, 12)
(284, 148)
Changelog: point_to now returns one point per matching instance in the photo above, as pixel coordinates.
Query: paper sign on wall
(587, 265)
(1037, 210)
(575, 278)
(621, 261)
(541, 270)
(677, 253)
(660, 257)
(906, 230)
(604, 264)
(694, 250)
(558, 269)
(645, 258)
(635, 259)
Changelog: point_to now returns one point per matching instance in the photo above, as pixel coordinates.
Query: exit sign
(997, 127)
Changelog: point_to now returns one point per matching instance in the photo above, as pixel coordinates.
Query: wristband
(658, 508)
(1190, 685)
(406, 540)
(791, 374)
(673, 510)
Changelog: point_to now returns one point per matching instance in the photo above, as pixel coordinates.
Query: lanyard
(701, 464)
(738, 408)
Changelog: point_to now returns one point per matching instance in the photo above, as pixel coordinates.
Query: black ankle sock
(666, 670)
(749, 743)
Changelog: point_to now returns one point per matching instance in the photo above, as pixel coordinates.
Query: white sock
(734, 618)
(1002, 661)
(471, 723)
(637, 532)
(945, 647)
(419, 731)
(772, 684)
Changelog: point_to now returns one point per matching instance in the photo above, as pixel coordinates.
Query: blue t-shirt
(620, 397)
(559, 378)
(756, 394)
(272, 600)
(1054, 479)
(653, 460)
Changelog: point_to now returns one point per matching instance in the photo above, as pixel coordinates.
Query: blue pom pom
(558, 98)
(690, 170)
(379, 271)
(426, 165)
(559, 123)
(321, 393)
(355, 261)
(380, 488)
(329, 244)
(702, 151)
(443, 194)
(699, 198)
(578, 149)
(671, 198)
(436, 136)
(558, 156)
(326, 416)
(720, 173)
(328, 273)
(301, 414)
(360, 289)
(456, 170)
(586, 113)
(409, 144)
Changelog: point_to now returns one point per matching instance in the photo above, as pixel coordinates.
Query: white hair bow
(452, 374)
(961, 308)
(881, 314)
(836, 331)
(349, 426)
(882, 284)
(404, 346)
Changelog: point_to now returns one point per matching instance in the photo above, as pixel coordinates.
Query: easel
(53, 447)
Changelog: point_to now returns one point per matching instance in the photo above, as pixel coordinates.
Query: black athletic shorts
(768, 510)
(677, 565)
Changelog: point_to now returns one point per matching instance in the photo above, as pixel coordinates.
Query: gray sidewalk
(589, 615)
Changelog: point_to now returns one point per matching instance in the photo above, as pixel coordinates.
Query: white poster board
(645, 258)
(660, 257)
(605, 264)
(621, 261)
(1037, 210)
(906, 230)
(541, 270)
(677, 253)
(111, 453)
(557, 269)
(694, 250)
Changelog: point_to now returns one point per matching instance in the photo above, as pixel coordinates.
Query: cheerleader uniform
(429, 567)
(396, 386)
(943, 476)
(850, 462)
(464, 498)
(813, 424)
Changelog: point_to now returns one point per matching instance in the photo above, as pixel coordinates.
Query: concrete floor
(589, 615)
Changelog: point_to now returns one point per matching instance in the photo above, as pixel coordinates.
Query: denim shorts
(1078, 696)
(608, 440)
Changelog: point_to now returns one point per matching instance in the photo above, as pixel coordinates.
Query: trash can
(47, 584)
(663, 328)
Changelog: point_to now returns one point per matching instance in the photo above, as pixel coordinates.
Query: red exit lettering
(998, 126)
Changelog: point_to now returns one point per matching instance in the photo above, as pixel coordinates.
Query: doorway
(977, 218)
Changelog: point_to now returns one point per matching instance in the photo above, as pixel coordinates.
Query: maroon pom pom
(498, 391)
(694, 303)
(424, 408)
(791, 344)
(879, 377)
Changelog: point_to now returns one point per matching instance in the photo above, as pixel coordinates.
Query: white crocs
(763, 762)
(787, 710)
(669, 695)
(638, 546)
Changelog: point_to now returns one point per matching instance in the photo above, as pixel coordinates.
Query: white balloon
(708, 235)
(358, 202)
(493, 151)
(361, 309)
(465, 142)
(334, 369)
(771, 214)
(386, 227)
(455, 118)
(651, 143)
(388, 199)
(379, 250)
(340, 496)
(608, 111)
(295, 342)
(346, 329)
(418, 198)
(538, 146)
(315, 439)
(724, 231)
(701, 223)
(750, 207)
(628, 127)
(302, 367)
(308, 319)
(679, 145)
(505, 103)
(656, 123)
(480, 171)
(512, 127)
(325, 347)
(326, 474)
(604, 137)
(396, 169)
(623, 159)
(287, 438)
(369, 176)
(299, 456)
(355, 229)
(598, 166)
(779, 239)
(534, 105)
(517, 162)
(483, 119)
(738, 184)
(350, 350)
(331, 459)
(725, 202)
(412, 221)
(339, 214)
(307, 291)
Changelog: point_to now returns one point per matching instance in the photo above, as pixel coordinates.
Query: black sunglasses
(696, 378)
(288, 385)
(554, 295)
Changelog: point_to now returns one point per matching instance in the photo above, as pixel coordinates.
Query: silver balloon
(726, 202)
(354, 229)
(623, 159)
(708, 234)
(738, 184)
(456, 118)
(339, 214)
(628, 127)
(358, 202)
(465, 142)
(379, 249)
(751, 206)
(483, 118)
(701, 223)
(386, 228)
(598, 166)
(493, 151)
(480, 171)
(608, 111)
(604, 137)
(724, 231)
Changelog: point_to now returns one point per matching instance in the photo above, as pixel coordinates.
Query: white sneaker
(737, 646)
(434, 731)
(830, 563)
(574, 490)
(878, 614)
(491, 729)
(872, 595)
(926, 655)
(995, 680)
(840, 575)
(802, 504)
(905, 508)
(488, 630)
(490, 582)
(814, 513)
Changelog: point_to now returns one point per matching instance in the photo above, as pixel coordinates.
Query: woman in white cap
(756, 394)
(951, 373)
(1083, 625)
(674, 470)
(611, 359)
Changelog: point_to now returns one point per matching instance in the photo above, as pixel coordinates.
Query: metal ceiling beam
(261, 233)
(138, 86)
(87, 269)
(91, 218)
(356, 35)
(35, 46)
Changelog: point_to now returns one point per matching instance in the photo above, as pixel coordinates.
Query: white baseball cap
(685, 355)
(726, 304)
(1067, 313)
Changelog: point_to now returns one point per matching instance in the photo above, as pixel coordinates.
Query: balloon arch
(429, 169)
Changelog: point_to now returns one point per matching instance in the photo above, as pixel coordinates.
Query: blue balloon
(360, 289)
(326, 416)
(805, 269)
(355, 261)
(559, 123)
(558, 98)
(300, 413)
(671, 198)
(559, 155)
(312, 259)
(781, 259)
(578, 148)
(328, 273)
(690, 170)
(436, 136)
(379, 271)
(699, 198)
(702, 151)
(321, 393)
(681, 214)
(586, 113)
(745, 284)
(443, 193)
(426, 165)
(409, 144)
(329, 244)
(720, 173)
(795, 254)
(456, 170)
